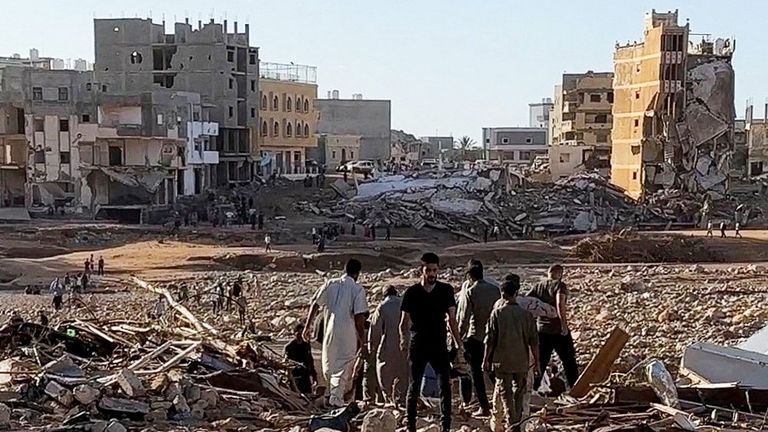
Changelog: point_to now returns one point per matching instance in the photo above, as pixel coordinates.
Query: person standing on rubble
(389, 233)
(252, 218)
(510, 336)
(554, 334)
(737, 227)
(58, 293)
(261, 221)
(423, 335)
(101, 265)
(384, 342)
(474, 310)
(267, 243)
(722, 229)
(299, 350)
(495, 232)
(709, 228)
(346, 307)
(87, 266)
(84, 282)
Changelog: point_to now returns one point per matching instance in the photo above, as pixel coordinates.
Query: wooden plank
(599, 368)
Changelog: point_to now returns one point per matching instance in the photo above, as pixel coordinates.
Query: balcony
(567, 126)
(570, 107)
(598, 126)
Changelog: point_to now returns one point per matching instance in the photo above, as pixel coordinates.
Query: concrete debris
(379, 420)
(130, 383)
(472, 202)
(716, 364)
(86, 394)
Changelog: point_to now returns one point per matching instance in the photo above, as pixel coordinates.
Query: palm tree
(463, 145)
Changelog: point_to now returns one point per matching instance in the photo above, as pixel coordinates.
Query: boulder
(379, 420)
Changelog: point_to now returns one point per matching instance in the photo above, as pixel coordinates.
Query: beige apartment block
(288, 118)
(580, 124)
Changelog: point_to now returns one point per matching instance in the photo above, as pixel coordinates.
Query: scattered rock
(86, 394)
(379, 420)
(130, 383)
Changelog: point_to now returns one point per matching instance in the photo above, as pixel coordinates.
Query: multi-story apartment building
(433, 147)
(67, 142)
(137, 56)
(580, 124)
(369, 119)
(516, 146)
(673, 111)
(288, 117)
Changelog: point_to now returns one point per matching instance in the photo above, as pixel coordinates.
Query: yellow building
(648, 75)
(288, 118)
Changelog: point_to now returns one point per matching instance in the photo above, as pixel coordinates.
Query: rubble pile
(105, 375)
(627, 247)
(468, 202)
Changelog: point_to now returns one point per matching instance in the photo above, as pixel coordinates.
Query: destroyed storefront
(691, 149)
(126, 193)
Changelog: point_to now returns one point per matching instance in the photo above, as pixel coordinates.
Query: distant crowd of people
(75, 284)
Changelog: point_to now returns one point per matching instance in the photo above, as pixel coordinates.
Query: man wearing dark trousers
(554, 334)
(424, 308)
(474, 310)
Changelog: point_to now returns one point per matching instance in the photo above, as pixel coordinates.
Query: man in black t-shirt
(423, 334)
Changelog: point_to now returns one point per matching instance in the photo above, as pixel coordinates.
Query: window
(333, 154)
(565, 157)
(306, 105)
(253, 85)
(37, 93)
(602, 138)
(231, 112)
(88, 86)
(115, 156)
(288, 129)
(505, 140)
(276, 129)
(253, 112)
(103, 88)
(306, 130)
(528, 140)
(635, 149)
(637, 94)
(231, 83)
(601, 118)
(39, 125)
(275, 103)
(230, 56)
(298, 129)
(487, 140)
(252, 59)
(351, 154)
(85, 118)
(524, 155)
(136, 57)
(64, 157)
(594, 98)
(634, 175)
(609, 97)
(39, 155)
(264, 128)
(264, 102)
(288, 106)
(63, 94)
(637, 122)
(63, 125)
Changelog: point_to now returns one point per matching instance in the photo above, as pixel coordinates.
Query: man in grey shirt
(474, 310)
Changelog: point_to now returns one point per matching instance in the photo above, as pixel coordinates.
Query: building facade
(336, 150)
(288, 118)
(539, 112)
(580, 124)
(516, 146)
(433, 147)
(369, 119)
(136, 55)
(673, 111)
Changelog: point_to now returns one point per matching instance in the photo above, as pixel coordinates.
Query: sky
(449, 67)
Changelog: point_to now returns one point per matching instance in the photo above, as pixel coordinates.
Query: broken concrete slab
(124, 406)
(758, 342)
(60, 393)
(86, 394)
(718, 364)
(130, 383)
(64, 366)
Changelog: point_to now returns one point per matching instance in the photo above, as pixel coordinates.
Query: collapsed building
(67, 142)
(674, 111)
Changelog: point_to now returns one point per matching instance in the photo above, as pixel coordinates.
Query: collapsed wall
(703, 137)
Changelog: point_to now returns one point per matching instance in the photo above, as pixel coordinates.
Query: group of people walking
(485, 330)
(77, 283)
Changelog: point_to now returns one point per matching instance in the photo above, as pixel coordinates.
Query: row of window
(37, 92)
(301, 129)
(275, 106)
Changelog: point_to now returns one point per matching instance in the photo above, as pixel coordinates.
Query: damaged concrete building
(369, 119)
(137, 56)
(673, 111)
(580, 125)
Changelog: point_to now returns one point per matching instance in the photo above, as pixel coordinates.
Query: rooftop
(288, 72)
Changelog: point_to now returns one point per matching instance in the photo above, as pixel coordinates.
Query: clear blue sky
(449, 66)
